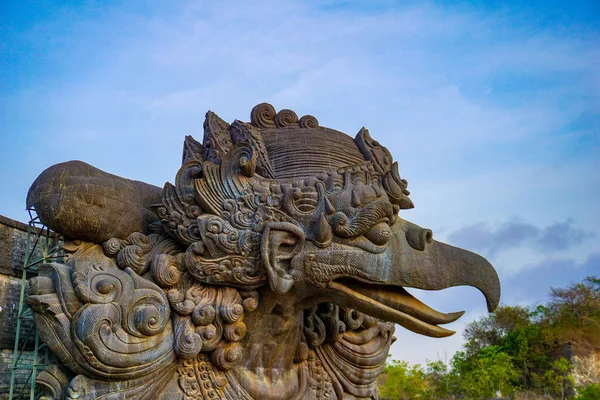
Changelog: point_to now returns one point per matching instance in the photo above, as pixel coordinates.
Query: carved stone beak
(420, 262)
(414, 260)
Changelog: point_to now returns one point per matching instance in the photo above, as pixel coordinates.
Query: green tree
(513, 349)
(590, 392)
(574, 314)
(492, 329)
(442, 378)
(558, 379)
(492, 371)
(404, 382)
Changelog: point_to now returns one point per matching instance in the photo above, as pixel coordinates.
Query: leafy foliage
(403, 382)
(590, 392)
(550, 350)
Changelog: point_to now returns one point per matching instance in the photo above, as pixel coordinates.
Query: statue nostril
(418, 238)
(428, 235)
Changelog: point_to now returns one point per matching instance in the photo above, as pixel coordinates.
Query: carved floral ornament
(273, 268)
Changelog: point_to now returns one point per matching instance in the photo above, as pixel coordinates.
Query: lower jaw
(352, 298)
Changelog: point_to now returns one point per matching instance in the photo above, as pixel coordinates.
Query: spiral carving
(209, 318)
(187, 342)
(209, 334)
(368, 321)
(112, 246)
(147, 313)
(314, 329)
(101, 284)
(235, 332)
(165, 270)
(231, 313)
(232, 270)
(138, 250)
(250, 304)
(340, 222)
(141, 240)
(123, 328)
(286, 118)
(148, 320)
(185, 307)
(175, 296)
(386, 329)
(132, 257)
(226, 356)
(329, 323)
(352, 318)
(308, 122)
(204, 314)
(263, 116)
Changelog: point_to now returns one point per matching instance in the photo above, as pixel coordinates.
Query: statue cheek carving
(281, 242)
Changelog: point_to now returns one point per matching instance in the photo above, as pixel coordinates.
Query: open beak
(415, 260)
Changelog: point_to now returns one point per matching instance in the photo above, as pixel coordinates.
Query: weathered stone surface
(273, 268)
(13, 239)
(81, 201)
(13, 236)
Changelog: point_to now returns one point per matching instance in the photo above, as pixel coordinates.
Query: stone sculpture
(274, 268)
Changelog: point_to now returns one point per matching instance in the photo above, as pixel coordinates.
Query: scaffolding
(41, 246)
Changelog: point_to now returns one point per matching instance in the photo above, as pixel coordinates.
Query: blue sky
(492, 110)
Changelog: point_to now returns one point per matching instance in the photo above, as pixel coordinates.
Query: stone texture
(13, 238)
(10, 291)
(83, 202)
(22, 376)
(274, 267)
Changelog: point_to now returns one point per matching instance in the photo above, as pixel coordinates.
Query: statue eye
(359, 179)
(379, 234)
(307, 202)
(335, 184)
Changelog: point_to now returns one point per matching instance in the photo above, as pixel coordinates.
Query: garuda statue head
(274, 267)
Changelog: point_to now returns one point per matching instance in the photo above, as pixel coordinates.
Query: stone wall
(22, 376)
(13, 239)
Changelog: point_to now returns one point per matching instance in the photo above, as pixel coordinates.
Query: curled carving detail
(54, 382)
(286, 118)
(98, 284)
(263, 116)
(314, 329)
(227, 355)
(396, 188)
(117, 324)
(354, 350)
(244, 272)
(352, 318)
(203, 314)
(216, 141)
(308, 122)
(210, 320)
(166, 270)
(187, 342)
(138, 251)
(113, 245)
(368, 216)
